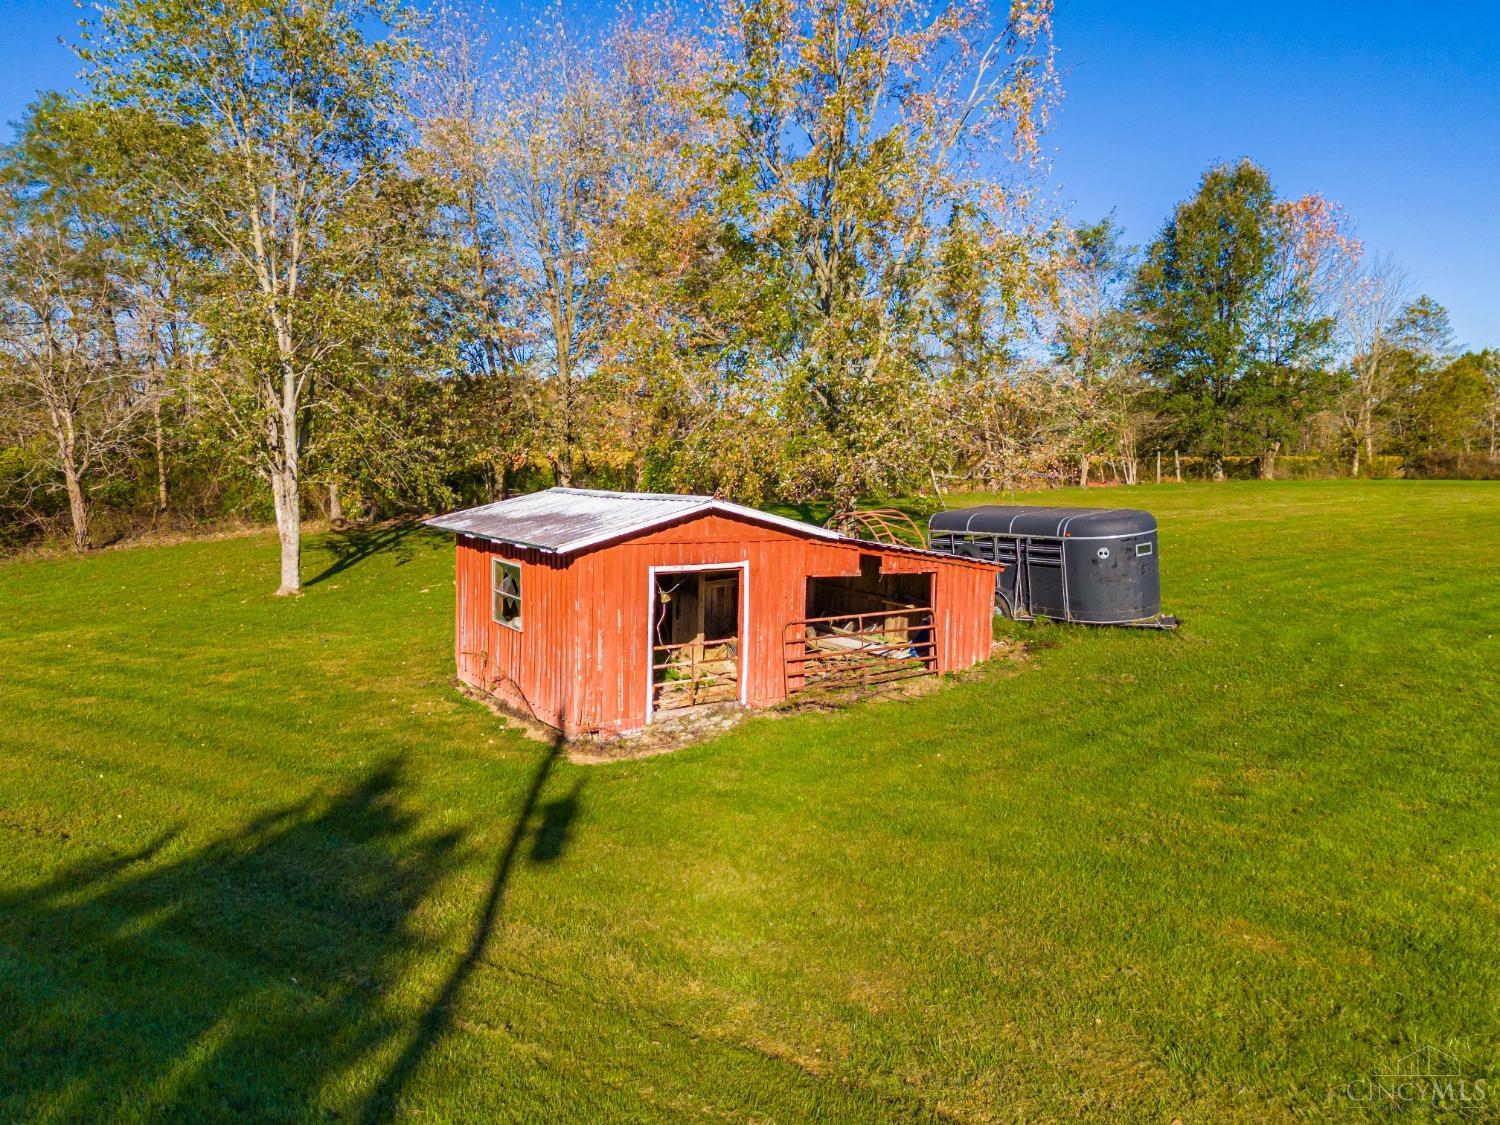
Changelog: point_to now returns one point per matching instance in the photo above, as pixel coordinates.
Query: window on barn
(507, 593)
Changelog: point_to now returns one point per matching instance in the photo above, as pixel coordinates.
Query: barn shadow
(249, 976)
(353, 546)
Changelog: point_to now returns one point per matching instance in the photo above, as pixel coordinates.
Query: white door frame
(743, 633)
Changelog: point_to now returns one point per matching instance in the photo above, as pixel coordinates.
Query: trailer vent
(1045, 552)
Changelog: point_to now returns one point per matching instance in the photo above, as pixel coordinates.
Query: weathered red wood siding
(527, 667)
(580, 660)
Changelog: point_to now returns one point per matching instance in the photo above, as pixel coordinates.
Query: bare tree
(1100, 387)
(1316, 255)
(549, 162)
(453, 103)
(61, 376)
(168, 343)
(1372, 299)
(1490, 359)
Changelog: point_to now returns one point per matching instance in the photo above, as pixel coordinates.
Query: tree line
(327, 256)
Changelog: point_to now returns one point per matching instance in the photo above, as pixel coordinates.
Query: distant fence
(1322, 466)
(1170, 466)
(1289, 466)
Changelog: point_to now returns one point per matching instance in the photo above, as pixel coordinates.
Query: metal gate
(851, 650)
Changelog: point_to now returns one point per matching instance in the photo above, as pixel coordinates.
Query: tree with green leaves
(1233, 333)
(1439, 398)
(71, 370)
(848, 134)
(1422, 328)
(1450, 409)
(282, 124)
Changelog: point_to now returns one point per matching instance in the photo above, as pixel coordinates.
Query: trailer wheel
(1003, 607)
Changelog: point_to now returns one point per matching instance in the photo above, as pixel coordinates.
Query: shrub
(1440, 465)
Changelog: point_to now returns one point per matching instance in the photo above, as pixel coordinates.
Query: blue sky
(1391, 109)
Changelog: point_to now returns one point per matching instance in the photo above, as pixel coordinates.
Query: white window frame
(515, 623)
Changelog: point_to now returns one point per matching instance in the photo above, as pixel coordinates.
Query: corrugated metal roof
(560, 520)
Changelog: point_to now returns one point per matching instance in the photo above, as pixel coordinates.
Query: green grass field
(258, 859)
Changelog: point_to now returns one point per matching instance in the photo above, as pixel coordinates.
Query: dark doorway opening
(870, 592)
(696, 638)
(862, 630)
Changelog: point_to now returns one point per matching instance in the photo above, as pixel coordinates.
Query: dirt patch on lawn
(1242, 932)
(661, 737)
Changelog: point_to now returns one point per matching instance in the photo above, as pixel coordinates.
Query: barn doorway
(697, 638)
(862, 631)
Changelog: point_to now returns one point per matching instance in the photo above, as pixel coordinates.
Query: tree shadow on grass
(246, 978)
(353, 546)
(549, 841)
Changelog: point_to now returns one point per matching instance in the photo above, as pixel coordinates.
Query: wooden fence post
(1158, 466)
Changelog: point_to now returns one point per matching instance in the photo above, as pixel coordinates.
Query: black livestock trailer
(1094, 566)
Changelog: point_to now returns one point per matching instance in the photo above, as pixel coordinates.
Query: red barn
(597, 612)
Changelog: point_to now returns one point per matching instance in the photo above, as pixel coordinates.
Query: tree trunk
(160, 446)
(287, 492)
(78, 510)
(1218, 467)
(335, 504)
(1268, 461)
(285, 438)
(1083, 470)
(286, 485)
(156, 383)
(1177, 462)
(1158, 466)
(1354, 470)
(66, 434)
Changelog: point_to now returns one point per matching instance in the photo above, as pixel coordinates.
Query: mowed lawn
(258, 859)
